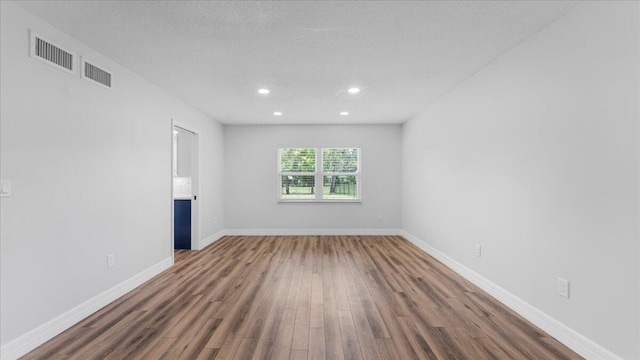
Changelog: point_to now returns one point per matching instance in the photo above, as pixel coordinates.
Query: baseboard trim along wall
(275, 232)
(571, 338)
(45, 332)
(211, 239)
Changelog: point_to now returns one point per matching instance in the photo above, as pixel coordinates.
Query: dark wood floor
(305, 297)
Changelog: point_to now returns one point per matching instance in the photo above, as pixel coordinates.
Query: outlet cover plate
(5, 188)
(111, 260)
(563, 287)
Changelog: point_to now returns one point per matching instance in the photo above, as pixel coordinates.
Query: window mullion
(341, 173)
(297, 173)
(319, 184)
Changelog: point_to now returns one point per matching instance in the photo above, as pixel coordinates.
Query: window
(319, 174)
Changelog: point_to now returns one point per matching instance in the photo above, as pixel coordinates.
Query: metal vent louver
(92, 72)
(52, 54)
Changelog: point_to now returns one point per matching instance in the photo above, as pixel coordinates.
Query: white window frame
(319, 175)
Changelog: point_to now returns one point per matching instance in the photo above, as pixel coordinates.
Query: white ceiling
(216, 55)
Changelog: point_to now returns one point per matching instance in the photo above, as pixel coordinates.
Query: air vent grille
(94, 73)
(46, 51)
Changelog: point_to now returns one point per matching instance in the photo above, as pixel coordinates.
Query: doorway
(185, 188)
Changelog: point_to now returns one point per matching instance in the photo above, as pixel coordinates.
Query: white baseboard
(43, 333)
(253, 232)
(569, 337)
(211, 239)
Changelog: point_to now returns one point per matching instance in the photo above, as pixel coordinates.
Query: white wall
(251, 177)
(91, 174)
(536, 159)
(211, 195)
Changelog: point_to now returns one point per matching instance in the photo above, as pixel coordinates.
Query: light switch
(5, 188)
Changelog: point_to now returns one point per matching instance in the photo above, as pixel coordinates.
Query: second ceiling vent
(93, 72)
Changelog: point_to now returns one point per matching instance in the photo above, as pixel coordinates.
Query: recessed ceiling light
(263, 91)
(277, 113)
(354, 90)
(344, 113)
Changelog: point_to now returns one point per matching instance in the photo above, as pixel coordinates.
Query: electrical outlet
(563, 287)
(215, 219)
(5, 188)
(111, 260)
(380, 216)
(478, 250)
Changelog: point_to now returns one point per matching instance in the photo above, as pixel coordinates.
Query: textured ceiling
(215, 55)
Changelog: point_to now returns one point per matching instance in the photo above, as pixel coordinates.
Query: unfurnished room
(319, 180)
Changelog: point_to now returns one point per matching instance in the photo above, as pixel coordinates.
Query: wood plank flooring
(305, 297)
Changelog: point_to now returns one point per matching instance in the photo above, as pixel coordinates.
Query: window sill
(289, 201)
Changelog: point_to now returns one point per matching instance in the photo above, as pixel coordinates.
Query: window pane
(340, 160)
(340, 187)
(298, 187)
(297, 160)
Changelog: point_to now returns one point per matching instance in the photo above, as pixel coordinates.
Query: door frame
(195, 185)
